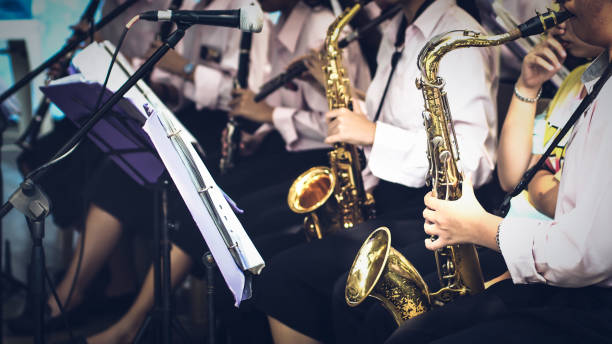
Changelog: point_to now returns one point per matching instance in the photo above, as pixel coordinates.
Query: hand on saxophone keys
(351, 127)
(458, 222)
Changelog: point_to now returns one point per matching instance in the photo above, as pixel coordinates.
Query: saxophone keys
(445, 155)
(426, 117)
(437, 141)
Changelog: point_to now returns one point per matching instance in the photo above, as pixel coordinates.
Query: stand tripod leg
(180, 330)
(37, 286)
(210, 281)
(160, 319)
(143, 329)
(166, 286)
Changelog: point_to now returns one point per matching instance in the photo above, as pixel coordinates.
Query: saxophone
(333, 197)
(379, 270)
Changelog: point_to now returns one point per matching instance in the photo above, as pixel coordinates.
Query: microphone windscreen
(251, 18)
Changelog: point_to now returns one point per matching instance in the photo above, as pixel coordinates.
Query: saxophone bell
(383, 273)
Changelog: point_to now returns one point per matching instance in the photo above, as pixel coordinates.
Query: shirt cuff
(205, 87)
(390, 156)
(516, 245)
(282, 118)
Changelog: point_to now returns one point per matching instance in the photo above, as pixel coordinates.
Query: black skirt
(64, 182)
(133, 205)
(297, 284)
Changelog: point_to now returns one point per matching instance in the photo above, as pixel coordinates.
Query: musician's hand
(249, 143)
(244, 105)
(82, 28)
(314, 74)
(460, 221)
(541, 64)
(172, 62)
(351, 127)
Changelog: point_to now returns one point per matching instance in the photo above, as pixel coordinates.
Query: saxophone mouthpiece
(543, 22)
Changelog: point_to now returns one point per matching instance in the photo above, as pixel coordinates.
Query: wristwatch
(188, 69)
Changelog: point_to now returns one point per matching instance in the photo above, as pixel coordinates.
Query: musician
(525, 136)
(295, 288)
(291, 139)
(560, 270)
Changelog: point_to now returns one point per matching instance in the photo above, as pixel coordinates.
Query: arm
(543, 190)
(567, 252)
(515, 144)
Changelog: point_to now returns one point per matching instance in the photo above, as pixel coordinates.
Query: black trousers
(296, 285)
(508, 313)
(371, 323)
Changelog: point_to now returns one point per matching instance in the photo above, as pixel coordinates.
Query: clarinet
(231, 141)
(299, 68)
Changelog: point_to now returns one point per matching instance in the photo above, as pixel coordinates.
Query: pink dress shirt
(574, 249)
(399, 151)
(299, 116)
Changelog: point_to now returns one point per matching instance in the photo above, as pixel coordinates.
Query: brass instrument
(379, 270)
(333, 197)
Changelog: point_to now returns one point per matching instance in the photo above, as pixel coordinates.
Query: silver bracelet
(497, 236)
(526, 99)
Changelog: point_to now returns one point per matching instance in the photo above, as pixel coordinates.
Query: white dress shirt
(575, 249)
(299, 116)
(213, 82)
(399, 151)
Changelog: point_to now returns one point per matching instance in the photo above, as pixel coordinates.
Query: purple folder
(119, 133)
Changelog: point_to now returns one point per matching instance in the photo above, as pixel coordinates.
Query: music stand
(120, 135)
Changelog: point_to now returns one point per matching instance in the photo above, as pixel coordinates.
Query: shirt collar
(595, 70)
(428, 20)
(425, 23)
(291, 27)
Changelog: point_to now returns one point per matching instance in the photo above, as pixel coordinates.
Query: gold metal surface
(381, 272)
(311, 192)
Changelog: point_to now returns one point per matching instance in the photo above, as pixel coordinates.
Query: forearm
(543, 190)
(515, 144)
(485, 231)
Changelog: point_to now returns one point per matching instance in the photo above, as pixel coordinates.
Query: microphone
(249, 18)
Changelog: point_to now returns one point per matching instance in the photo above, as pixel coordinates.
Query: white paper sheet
(242, 247)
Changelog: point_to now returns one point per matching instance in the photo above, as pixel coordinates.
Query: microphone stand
(70, 46)
(33, 203)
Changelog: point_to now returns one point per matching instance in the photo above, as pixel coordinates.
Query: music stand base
(161, 319)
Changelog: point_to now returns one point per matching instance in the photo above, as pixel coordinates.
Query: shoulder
(319, 19)
(315, 26)
(570, 87)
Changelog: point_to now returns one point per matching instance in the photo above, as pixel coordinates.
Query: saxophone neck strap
(397, 54)
(400, 39)
(502, 210)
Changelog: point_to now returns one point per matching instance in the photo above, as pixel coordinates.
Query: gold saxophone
(379, 270)
(333, 197)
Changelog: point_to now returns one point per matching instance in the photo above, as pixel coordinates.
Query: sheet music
(230, 245)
